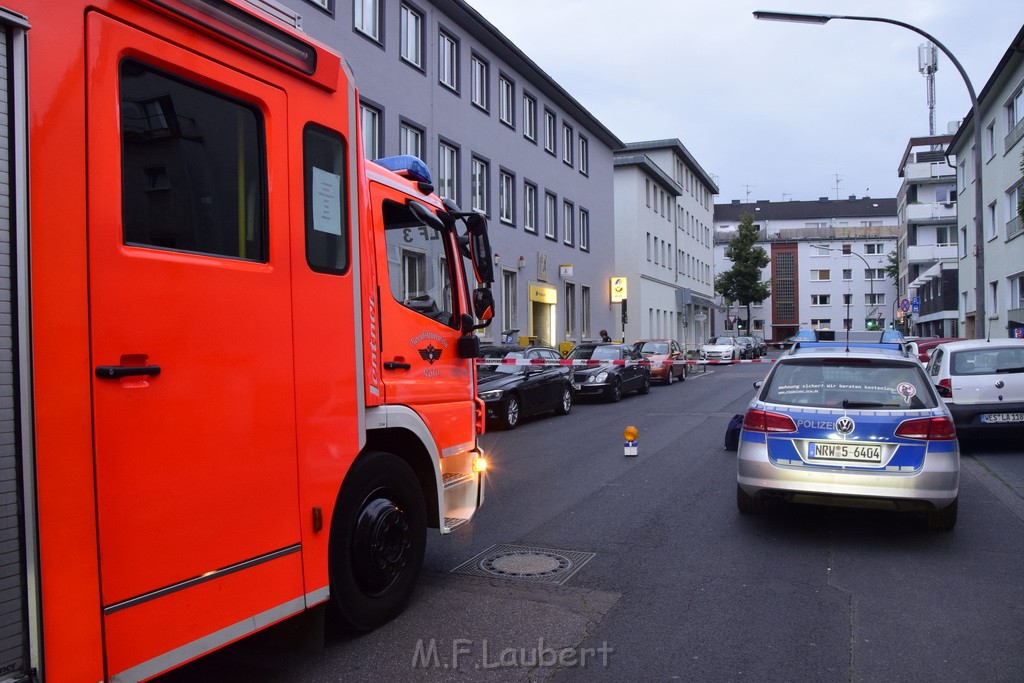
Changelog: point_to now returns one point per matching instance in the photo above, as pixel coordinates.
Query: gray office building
(438, 81)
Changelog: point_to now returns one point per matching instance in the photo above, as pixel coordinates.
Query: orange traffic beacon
(241, 356)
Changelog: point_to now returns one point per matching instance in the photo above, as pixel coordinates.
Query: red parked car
(922, 348)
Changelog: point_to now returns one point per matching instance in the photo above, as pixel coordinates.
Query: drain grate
(525, 563)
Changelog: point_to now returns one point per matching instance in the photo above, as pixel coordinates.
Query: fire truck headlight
(479, 464)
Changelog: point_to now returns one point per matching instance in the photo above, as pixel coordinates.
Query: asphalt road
(667, 581)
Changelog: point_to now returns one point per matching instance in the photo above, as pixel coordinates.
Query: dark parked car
(760, 346)
(513, 391)
(616, 369)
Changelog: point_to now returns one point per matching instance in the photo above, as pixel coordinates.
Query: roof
(645, 163)
(679, 148)
(823, 208)
(474, 23)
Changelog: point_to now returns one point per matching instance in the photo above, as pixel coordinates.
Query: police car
(852, 423)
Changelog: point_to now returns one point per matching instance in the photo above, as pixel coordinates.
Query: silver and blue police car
(852, 424)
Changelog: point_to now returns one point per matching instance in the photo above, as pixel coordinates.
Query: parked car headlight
(601, 376)
(491, 395)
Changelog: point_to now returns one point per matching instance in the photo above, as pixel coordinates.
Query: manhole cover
(525, 563)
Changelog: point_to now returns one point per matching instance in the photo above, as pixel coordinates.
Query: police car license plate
(844, 451)
(994, 418)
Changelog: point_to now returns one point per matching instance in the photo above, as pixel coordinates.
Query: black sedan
(512, 391)
(616, 369)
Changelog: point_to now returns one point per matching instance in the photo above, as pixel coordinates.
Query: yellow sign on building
(618, 289)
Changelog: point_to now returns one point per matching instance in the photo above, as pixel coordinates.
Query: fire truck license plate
(844, 451)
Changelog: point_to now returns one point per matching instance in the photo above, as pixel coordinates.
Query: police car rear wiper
(863, 404)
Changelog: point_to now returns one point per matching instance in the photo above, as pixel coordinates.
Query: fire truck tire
(378, 537)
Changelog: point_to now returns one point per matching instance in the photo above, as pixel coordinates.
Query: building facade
(827, 270)
(1002, 153)
(663, 238)
(438, 81)
(928, 259)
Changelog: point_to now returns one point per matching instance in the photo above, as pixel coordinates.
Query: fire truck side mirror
(425, 215)
(483, 304)
(480, 248)
(468, 346)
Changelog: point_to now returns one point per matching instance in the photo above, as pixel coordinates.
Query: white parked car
(721, 348)
(982, 383)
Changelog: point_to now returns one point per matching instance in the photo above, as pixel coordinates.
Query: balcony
(1014, 228)
(931, 212)
(931, 253)
(928, 170)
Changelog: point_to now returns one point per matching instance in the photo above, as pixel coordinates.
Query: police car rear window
(854, 384)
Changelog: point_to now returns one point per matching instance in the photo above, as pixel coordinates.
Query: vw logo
(844, 425)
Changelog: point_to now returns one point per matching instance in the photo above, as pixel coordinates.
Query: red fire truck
(236, 357)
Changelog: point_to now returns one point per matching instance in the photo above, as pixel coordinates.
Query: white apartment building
(828, 260)
(663, 241)
(1002, 152)
(928, 258)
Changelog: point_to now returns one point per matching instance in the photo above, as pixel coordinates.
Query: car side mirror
(758, 384)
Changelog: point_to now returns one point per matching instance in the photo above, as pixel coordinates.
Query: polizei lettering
(816, 424)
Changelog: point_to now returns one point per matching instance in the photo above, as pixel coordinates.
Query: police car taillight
(945, 388)
(927, 429)
(763, 421)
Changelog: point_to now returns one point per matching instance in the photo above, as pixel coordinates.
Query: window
(323, 155)
(584, 156)
(874, 248)
(993, 225)
(478, 82)
(821, 275)
(448, 61)
(989, 141)
(874, 273)
(509, 300)
(506, 197)
(550, 216)
(584, 312)
(550, 133)
(366, 18)
(447, 171)
(874, 299)
(847, 299)
(963, 243)
(410, 140)
(529, 117)
(821, 323)
(1015, 110)
(945, 235)
(993, 301)
(1017, 291)
(847, 273)
(478, 183)
(817, 250)
(821, 299)
(584, 230)
(418, 265)
(506, 101)
(225, 208)
(530, 208)
(370, 120)
(567, 143)
(568, 231)
(411, 46)
(570, 310)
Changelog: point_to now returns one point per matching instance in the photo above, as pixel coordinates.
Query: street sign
(915, 305)
(904, 305)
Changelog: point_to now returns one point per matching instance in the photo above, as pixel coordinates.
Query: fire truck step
(453, 479)
(452, 523)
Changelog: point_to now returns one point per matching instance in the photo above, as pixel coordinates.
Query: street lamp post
(871, 280)
(979, 232)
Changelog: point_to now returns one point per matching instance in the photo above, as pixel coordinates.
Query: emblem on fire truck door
(430, 354)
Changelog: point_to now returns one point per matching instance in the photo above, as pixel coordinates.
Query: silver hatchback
(859, 426)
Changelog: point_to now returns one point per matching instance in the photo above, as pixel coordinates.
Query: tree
(742, 283)
(893, 269)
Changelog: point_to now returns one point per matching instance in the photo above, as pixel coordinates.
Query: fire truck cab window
(326, 222)
(418, 265)
(193, 167)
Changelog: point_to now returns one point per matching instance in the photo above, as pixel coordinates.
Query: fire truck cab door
(190, 314)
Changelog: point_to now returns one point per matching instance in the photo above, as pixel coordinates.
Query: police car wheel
(378, 537)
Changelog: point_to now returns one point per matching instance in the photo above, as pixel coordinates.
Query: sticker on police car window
(906, 390)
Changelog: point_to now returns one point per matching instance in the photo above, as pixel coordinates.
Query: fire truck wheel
(378, 536)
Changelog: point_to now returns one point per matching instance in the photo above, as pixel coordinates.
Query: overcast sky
(770, 110)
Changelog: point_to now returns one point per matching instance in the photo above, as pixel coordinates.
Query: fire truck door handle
(118, 371)
(392, 365)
